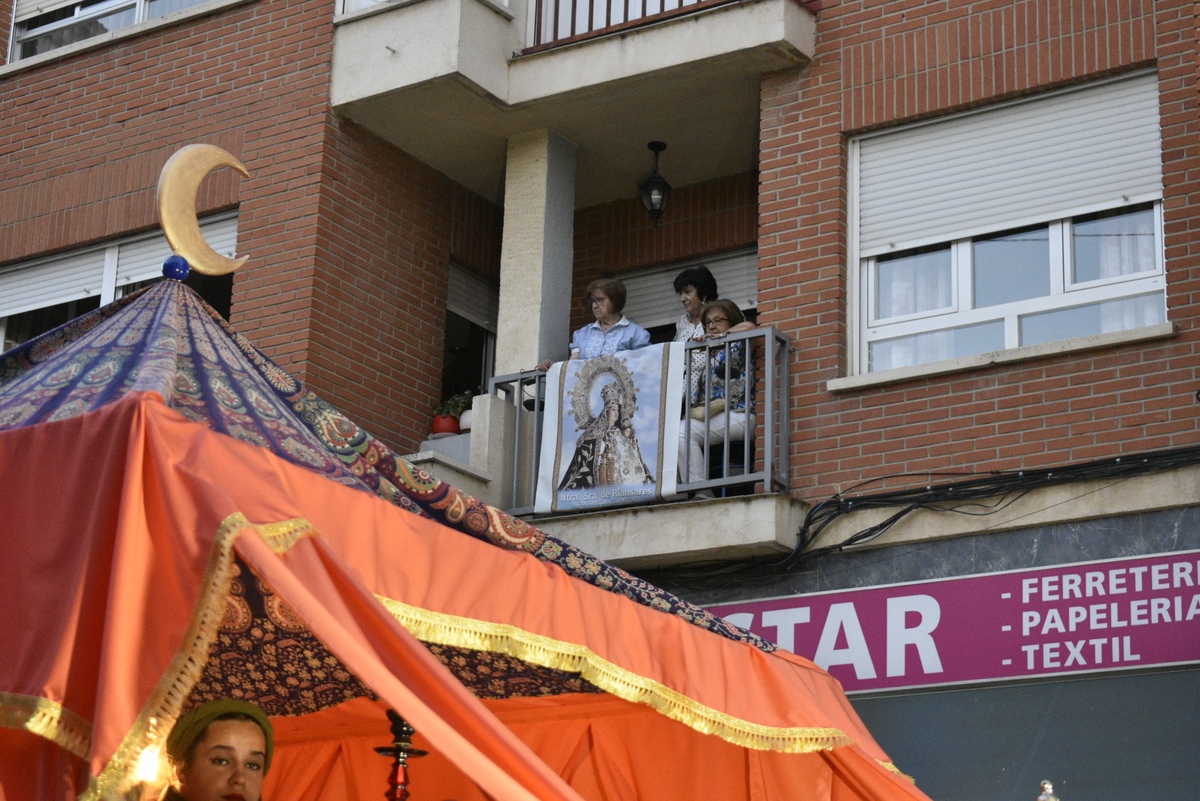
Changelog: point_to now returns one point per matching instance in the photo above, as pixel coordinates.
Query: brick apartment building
(974, 222)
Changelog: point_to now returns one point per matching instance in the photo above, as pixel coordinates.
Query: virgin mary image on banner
(603, 440)
(607, 452)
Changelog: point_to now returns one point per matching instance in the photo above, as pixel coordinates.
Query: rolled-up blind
(473, 298)
(1007, 166)
(142, 259)
(32, 8)
(48, 282)
(82, 273)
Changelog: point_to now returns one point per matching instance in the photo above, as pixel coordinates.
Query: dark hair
(701, 279)
(611, 287)
(724, 304)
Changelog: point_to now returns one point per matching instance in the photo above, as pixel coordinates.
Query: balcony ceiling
(609, 96)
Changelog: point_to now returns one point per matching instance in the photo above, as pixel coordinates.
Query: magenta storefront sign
(1084, 617)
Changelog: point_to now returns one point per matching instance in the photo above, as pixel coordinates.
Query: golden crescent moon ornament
(177, 186)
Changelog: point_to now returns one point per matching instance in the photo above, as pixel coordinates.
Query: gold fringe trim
(478, 635)
(154, 722)
(280, 537)
(48, 719)
(896, 770)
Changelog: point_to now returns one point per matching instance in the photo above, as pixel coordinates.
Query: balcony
(449, 81)
(749, 513)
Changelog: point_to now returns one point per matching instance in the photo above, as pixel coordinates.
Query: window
(1024, 224)
(472, 306)
(40, 295)
(44, 25)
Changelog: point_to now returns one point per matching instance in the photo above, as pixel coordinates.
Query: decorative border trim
(280, 537)
(48, 719)
(536, 649)
(154, 722)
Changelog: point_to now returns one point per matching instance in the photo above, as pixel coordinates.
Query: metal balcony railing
(754, 462)
(559, 22)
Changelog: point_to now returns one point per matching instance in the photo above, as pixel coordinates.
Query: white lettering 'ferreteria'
(1114, 581)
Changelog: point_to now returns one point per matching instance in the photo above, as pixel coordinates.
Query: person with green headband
(221, 751)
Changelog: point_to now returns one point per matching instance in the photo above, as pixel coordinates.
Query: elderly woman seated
(720, 397)
(612, 331)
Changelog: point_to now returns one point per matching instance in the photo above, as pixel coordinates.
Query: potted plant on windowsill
(446, 414)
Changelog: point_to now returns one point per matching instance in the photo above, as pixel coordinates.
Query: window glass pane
(1011, 266)
(27, 325)
(937, 345)
(1113, 244)
(913, 282)
(156, 8)
(84, 29)
(465, 363)
(1095, 318)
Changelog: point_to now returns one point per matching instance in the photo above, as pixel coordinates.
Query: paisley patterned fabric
(265, 654)
(165, 339)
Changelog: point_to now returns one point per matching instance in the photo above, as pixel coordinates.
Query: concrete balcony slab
(676, 533)
(441, 79)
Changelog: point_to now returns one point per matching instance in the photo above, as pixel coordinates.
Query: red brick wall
(476, 228)
(700, 219)
(883, 63)
(349, 238)
(85, 137)
(379, 290)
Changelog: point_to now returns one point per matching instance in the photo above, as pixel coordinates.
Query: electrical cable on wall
(979, 494)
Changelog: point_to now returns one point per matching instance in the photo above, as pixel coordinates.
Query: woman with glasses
(720, 397)
(695, 287)
(612, 331)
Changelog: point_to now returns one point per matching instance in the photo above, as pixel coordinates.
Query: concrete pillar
(537, 252)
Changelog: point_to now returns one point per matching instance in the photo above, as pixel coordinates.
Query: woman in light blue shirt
(612, 331)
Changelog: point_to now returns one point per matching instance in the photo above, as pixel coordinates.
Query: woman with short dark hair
(695, 287)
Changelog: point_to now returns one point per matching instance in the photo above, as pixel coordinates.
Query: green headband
(191, 725)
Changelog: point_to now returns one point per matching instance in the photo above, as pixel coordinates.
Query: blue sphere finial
(176, 267)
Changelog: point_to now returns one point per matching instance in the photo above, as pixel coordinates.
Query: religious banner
(1086, 617)
(611, 429)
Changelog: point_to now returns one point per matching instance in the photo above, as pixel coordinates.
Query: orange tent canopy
(131, 527)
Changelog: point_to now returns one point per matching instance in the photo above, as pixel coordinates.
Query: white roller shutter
(142, 259)
(99, 271)
(48, 282)
(650, 298)
(1011, 165)
(473, 298)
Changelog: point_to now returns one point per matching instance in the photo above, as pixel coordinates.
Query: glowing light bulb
(146, 769)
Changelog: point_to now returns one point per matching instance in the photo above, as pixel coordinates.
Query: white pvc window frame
(23, 33)
(1064, 292)
(1136, 91)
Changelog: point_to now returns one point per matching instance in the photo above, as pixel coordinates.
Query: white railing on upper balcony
(736, 459)
(559, 22)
